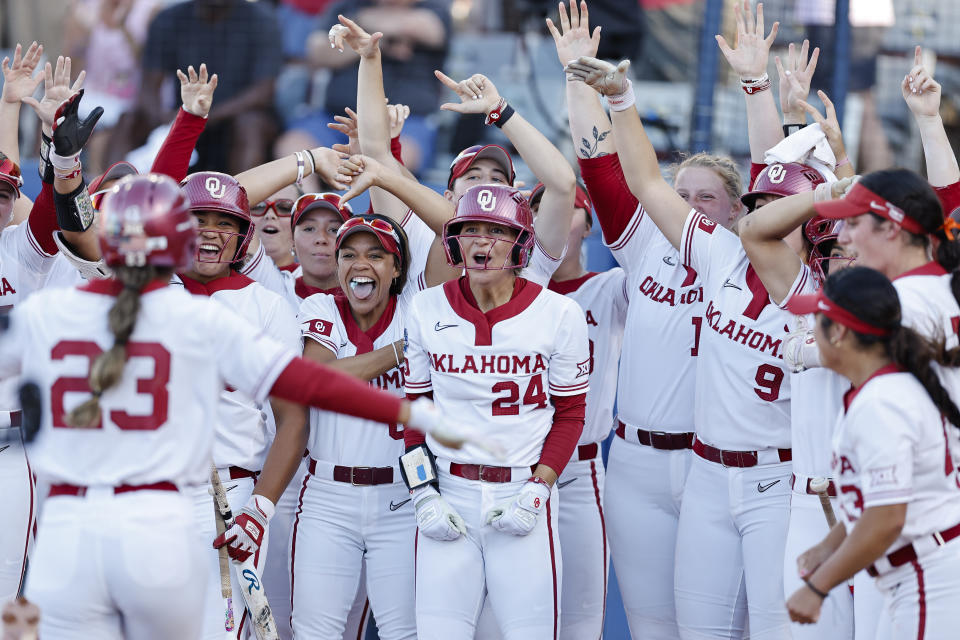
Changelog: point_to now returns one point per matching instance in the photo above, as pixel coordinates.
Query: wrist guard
(44, 166)
(70, 133)
(418, 468)
(74, 209)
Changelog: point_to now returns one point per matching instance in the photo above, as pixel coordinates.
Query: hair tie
(950, 228)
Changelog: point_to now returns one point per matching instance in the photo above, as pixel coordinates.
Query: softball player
(117, 535)
(892, 459)
(482, 525)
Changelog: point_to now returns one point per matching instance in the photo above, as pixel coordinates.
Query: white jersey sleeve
(318, 321)
(420, 239)
(19, 241)
(418, 360)
(630, 249)
(263, 269)
(570, 362)
(707, 247)
(542, 265)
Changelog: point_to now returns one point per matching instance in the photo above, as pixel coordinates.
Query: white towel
(807, 146)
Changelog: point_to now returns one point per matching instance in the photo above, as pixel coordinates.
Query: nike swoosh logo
(727, 283)
(396, 505)
(763, 487)
(561, 485)
(670, 261)
(441, 327)
(231, 487)
(4, 448)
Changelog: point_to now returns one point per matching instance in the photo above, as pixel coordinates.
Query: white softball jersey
(603, 298)
(158, 422)
(927, 304)
(497, 368)
(816, 398)
(243, 435)
(891, 447)
(665, 316)
(742, 387)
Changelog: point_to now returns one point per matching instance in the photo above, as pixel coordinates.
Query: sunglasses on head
(282, 208)
(376, 224)
(9, 169)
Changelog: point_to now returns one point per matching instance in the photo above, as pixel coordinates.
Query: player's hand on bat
(804, 606)
(518, 516)
(196, 90)
(246, 535)
(574, 39)
(920, 91)
(477, 93)
(603, 77)
(436, 519)
(795, 78)
(749, 59)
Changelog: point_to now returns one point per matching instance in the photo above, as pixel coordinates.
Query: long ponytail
(107, 369)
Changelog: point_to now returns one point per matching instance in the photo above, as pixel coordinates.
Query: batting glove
(435, 517)
(245, 536)
(518, 516)
(426, 417)
(70, 133)
(800, 350)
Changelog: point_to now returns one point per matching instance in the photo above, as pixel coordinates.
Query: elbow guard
(89, 270)
(74, 210)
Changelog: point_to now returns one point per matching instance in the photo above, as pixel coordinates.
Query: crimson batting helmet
(146, 220)
(496, 204)
(822, 234)
(781, 180)
(219, 192)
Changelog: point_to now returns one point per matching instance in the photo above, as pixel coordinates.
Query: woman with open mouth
(271, 218)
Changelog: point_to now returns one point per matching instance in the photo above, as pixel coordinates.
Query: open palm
(56, 89)
(18, 80)
(574, 39)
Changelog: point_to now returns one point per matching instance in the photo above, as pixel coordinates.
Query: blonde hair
(107, 369)
(724, 166)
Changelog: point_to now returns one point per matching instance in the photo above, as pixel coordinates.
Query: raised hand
(70, 133)
(56, 89)
(830, 124)
(604, 77)
(920, 91)
(18, 80)
(749, 59)
(576, 40)
(359, 173)
(196, 90)
(348, 126)
(349, 32)
(398, 117)
(795, 79)
(477, 93)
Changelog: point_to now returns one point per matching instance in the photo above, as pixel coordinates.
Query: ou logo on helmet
(216, 188)
(776, 173)
(486, 200)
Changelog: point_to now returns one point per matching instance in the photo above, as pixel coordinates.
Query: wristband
(843, 163)
(539, 480)
(309, 156)
(44, 167)
(396, 355)
(496, 113)
(299, 167)
(755, 85)
(790, 129)
(64, 167)
(622, 101)
(74, 209)
(823, 596)
(506, 115)
(823, 192)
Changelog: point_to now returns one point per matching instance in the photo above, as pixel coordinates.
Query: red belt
(74, 490)
(831, 488)
(483, 472)
(734, 458)
(359, 476)
(239, 472)
(587, 451)
(906, 554)
(659, 439)
(16, 418)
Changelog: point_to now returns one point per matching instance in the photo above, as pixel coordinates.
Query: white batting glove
(425, 417)
(245, 536)
(518, 516)
(435, 517)
(800, 350)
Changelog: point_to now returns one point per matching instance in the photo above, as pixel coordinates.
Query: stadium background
(685, 92)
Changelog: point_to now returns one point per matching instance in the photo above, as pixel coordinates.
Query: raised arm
(18, 83)
(749, 60)
(922, 94)
(637, 156)
(266, 179)
(196, 93)
(478, 94)
(795, 79)
(831, 128)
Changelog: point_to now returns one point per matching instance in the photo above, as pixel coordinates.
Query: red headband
(818, 302)
(860, 200)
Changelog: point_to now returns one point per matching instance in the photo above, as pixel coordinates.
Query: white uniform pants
(238, 492)
(869, 612)
(521, 575)
(732, 534)
(644, 487)
(119, 566)
(276, 571)
(339, 530)
(808, 526)
(18, 506)
(922, 598)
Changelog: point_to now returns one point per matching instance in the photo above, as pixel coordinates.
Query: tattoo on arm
(588, 150)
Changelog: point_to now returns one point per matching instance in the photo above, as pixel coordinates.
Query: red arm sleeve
(568, 414)
(313, 384)
(173, 159)
(755, 170)
(396, 149)
(612, 199)
(412, 437)
(43, 219)
(949, 197)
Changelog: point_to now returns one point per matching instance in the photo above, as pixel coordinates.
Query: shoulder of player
(889, 394)
(319, 304)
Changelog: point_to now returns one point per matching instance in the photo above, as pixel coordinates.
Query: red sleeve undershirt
(412, 437)
(43, 219)
(755, 169)
(173, 159)
(396, 149)
(315, 385)
(612, 199)
(949, 197)
(568, 416)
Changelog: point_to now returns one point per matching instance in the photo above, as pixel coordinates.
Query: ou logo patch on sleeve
(216, 188)
(776, 173)
(706, 224)
(320, 327)
(487, 200)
